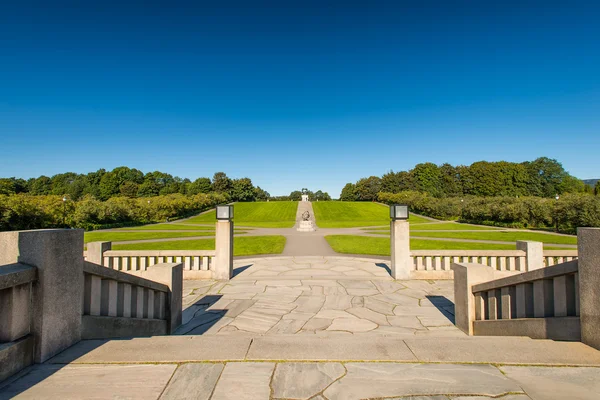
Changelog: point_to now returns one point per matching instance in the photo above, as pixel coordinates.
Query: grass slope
(113, 236)
(274, 214)
(446, 226)
(350, 244)
(507, 236)
(345, 214)
(242, 246)
(170, 227)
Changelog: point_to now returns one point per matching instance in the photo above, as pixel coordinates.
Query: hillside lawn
(273, 214)
(347, 214)
(170, 227)
(504, 236)
(351, 244)
(242, 246)
(444, 226)
(114, 236)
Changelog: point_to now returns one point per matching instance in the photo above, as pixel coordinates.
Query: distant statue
(306, 216)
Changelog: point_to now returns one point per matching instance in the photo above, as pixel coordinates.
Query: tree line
(543, 177)
(132, 183)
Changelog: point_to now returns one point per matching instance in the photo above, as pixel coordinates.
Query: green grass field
(242, 246)
(113, 236)
(170, 227)
(274, 214)
(344, 214)
(449, 226)
(507, 236)
(349, 244)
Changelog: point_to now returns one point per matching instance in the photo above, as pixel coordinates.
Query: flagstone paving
(318, 296)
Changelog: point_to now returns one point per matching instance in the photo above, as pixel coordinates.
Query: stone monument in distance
(306, 225)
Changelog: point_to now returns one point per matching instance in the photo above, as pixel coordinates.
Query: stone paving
(307, 380)
(318, 295)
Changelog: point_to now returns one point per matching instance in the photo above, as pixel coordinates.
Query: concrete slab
(90, 382)
(304, 380)
(293, 347)
(193, 382)
(240, 381)
(156, 349)
(375, 380)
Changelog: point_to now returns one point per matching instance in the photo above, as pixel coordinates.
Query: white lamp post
(224, 243)
(399, 212)
(400, 241)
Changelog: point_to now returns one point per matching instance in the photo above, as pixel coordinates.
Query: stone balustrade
(197, 264)
(552, 302)
(441, 260)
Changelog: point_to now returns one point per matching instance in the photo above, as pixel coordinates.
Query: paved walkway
(319, 328)
(318, 295)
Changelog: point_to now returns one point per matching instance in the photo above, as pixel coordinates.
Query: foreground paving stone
(90, 381)
(240, 381)
(541, 383)
(193, 382)
(333, 347)
(156, 349)
(372, 380)
(352, 325)
(304, 380)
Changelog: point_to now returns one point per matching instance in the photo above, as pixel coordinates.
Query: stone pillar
(400, 250)
(170, 274)
(465, 277)
(223, 269)
(534, 254)
(58, 293)
(95, 251)
(588, 240)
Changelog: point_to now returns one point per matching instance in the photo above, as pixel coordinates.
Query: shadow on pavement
(445, 306)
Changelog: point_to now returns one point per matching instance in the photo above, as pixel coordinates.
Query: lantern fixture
(399, 212)
(225, 213)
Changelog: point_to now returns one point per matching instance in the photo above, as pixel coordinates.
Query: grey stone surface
(90, 382)
(193, 382)
(58, 292)
(563, 328)
(15, 356)
(374, 380)
(156, 349)
(543, 383)
(465, 276)
(304, 380)
(240, 381)
(297, 348)
(116, 327)
(535, 254)
(401, 266)
(223, 262)
(588, 240)
(16, 312)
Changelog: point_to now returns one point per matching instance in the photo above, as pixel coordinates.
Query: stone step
(177, 349)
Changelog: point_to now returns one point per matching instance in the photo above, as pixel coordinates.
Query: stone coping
(468, 253)
(560, 253)
(160, 253)
(218, 348)
(16, 274)
(108, 273)
(542, 273)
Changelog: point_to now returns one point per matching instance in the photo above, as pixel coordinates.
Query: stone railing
(197, 264)
(553, 257)
(436, 264)
(556, 302)
(16, 343)
(119, 304)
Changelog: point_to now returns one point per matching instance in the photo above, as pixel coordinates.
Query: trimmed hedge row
(569, 212)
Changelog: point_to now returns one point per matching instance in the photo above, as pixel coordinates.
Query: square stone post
(588, 240)
(400, 249)
(95, 251)
(170, 274)
(57, 295)
(224, 250)
(534, 254)
(465, 277)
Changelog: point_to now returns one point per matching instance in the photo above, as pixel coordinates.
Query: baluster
(524, 297)
(143, 263)
(108, 306)
(150, 302)
(493, 262)
(93, 295)
(492, 305)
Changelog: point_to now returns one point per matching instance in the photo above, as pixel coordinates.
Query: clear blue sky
(297, 94)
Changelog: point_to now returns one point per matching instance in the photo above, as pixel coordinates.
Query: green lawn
(113, 236)
(445, 226)
(349, 244)
(170, 227)
(242, 246)
(274, 214)
(505, 236)
(345, 214)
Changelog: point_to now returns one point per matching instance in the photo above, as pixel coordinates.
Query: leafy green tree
(7, 186)
(597, 188)
(348, 192)
(545, 175)
(221, 183)
(296, 195)
(242, 190)
(260, 194)
(450, 180)
(148, 189)
(200, 185)
(40, 186)
(368, 188)
(129, 189)
(426, 178)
